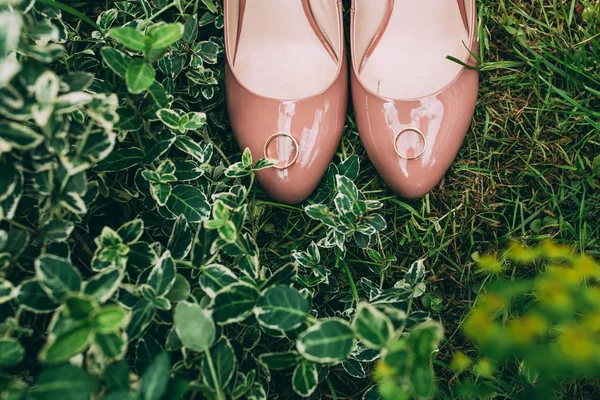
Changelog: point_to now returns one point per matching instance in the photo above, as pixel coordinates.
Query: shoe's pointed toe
(286, 88)
(413, 106)
(412, 144)
(301, 136)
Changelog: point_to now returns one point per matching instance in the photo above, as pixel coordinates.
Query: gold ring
(420, 133)
(296, 146)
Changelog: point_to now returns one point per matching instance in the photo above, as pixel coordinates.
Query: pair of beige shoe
(287, 87)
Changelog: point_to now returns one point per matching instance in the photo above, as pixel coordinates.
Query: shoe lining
(279, 55)
(410, 59)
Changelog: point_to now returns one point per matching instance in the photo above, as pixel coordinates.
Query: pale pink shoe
(287, 88)
(413, 106)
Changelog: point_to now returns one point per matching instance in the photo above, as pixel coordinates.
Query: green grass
(524, 172)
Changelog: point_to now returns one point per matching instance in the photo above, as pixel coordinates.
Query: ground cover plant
(140, 260)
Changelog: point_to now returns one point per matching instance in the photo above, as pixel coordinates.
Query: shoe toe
(413, 143)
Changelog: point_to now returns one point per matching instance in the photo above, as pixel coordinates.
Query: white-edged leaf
(328, 341)
(373, 327)
(103, 285)
(215, 277)
(234, 303)
(57, 276)
(224, 364)
(194, 326)
(282, 308)
(305, 378)
(162, 276)
(189, 201)
(140, 76)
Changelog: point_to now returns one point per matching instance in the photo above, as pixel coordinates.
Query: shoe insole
(279, 54)
(410, 60)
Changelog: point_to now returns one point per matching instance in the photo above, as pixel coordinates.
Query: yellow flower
(521, 254)
(479, 325)
(489, 263)
(564, 275)
(556, 251)
(575, 344)
(485, 367)
(460, 362)
(587, 267)
(384, 371)
(492, 303)
(526, 329)
(592, 322)
(553, 294)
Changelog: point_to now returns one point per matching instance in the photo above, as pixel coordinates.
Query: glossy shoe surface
(286, 88)
(413, 106)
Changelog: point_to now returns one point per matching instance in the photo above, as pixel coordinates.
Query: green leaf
(169, 117)
(194, 326)
(67, 344)
(116, 61)
(9, 178)
(129, 37)
(112, 345)
(65, 382)
(103, 285)
(354, 368)
(305, 379)
(328, 341)
(415, 274)
(80, 307)
(58, 230)
(207, 51)
(224, 363)
(425, 338)
(131, 231)
(14, 135)
(57, 276)
(140, 76)
(67, 103)
(189, 201)
(195, 121)
(46, 88)
(10, 32)
(7, 291)
(234, 303)
(141, 317)
(160, 192)
(279, 361)
(190, 147)
(165, 35)
(190, 30)
(156, 378)
(180, 291)
(282, 308)
(180, 242)
(121, 159)
(216, 277)
(162, 276)
(422, 379)
(11, 352)
(373, 327)
(110, 319)
(33, 298)
(247, 158)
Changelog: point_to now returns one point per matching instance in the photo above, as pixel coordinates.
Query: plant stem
(71, 11)
(213, 374)
(21, 226)
(351, 281)
(158, 13)
(333, 393)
